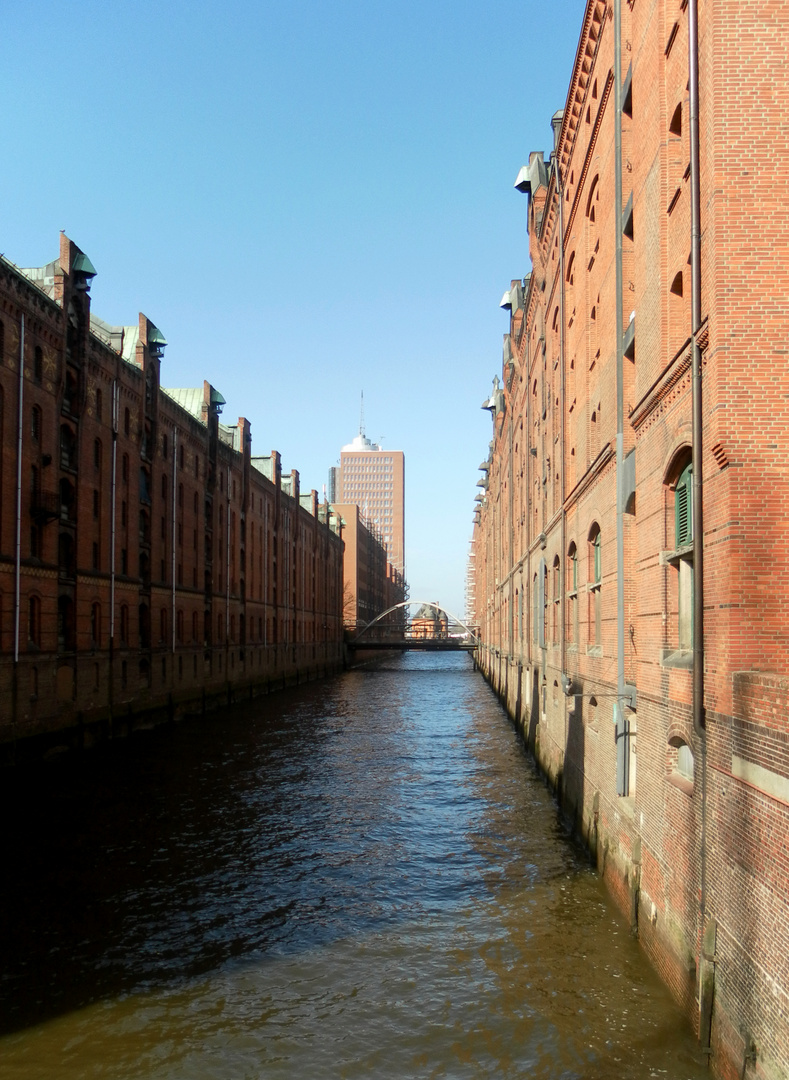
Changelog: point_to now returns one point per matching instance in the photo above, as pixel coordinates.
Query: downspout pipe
(557, 123)
(18, 537)
(173, 538)
(699, 722)
(113, 531)
(227, 577)
(620, 391)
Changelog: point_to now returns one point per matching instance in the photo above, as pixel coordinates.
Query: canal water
(358, 878)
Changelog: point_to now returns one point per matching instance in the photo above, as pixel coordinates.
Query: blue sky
(310, 199)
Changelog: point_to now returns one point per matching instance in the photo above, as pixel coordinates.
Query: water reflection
(363, 878)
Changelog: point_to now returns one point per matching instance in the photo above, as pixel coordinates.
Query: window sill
(594, 650)
(669, 558)
(676, 658)
(677, 780)
(572, 594)
(594, 586)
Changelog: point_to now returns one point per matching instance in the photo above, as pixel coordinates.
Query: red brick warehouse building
(147, 560)
(630, 548)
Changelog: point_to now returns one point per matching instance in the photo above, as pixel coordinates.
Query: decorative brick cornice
(609, 82)
(588, 44)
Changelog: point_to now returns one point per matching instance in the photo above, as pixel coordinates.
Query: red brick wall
(267, 607)
(711, 849)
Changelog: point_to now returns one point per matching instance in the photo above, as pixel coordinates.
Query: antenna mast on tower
(361, 417)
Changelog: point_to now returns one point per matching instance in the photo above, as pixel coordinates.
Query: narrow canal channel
(359, 878)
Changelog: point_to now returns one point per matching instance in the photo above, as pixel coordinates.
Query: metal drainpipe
(510, 606)
(620, 537)
(18, 539)
(562, 404)
(113, 524)
(695, 275)
(530, 598)
(227, 578)
(699, 721)
(174, 525)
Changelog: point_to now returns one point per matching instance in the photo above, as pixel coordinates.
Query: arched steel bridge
(379, 635)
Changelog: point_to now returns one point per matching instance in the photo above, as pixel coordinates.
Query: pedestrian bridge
(394, 630)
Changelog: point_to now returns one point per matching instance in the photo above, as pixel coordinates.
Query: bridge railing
(379, 634)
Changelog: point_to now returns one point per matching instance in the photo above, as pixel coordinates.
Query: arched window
(97, 454)
(35, 424)
(555, 620)
(126, 422)
(675, 126)
(685, 762)
(95, 624)
(570, 275)
(594, 434)
(180, 625)
(681, 764)
(165, 446)
(99, 404)
(38, 364)
(124, 625)
(677, 651)
(594, 197)
(572, 594)
(594, 577)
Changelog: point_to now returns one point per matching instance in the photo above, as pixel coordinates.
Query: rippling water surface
(359, 878)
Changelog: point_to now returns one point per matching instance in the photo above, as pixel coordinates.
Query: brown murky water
(363, 878)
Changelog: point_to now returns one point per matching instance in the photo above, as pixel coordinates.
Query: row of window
(546, 622)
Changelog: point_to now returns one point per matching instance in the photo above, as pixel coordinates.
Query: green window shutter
(598, 571)
(575, 572)
(683, 509)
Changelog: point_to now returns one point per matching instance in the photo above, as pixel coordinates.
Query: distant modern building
(374, 479)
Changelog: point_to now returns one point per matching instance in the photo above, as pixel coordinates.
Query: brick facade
(371, 585)
(225, 578)
(689, 825)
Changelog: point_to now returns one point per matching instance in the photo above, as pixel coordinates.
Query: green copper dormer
(83, 271)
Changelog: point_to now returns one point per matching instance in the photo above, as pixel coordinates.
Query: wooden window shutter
(683, 516)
